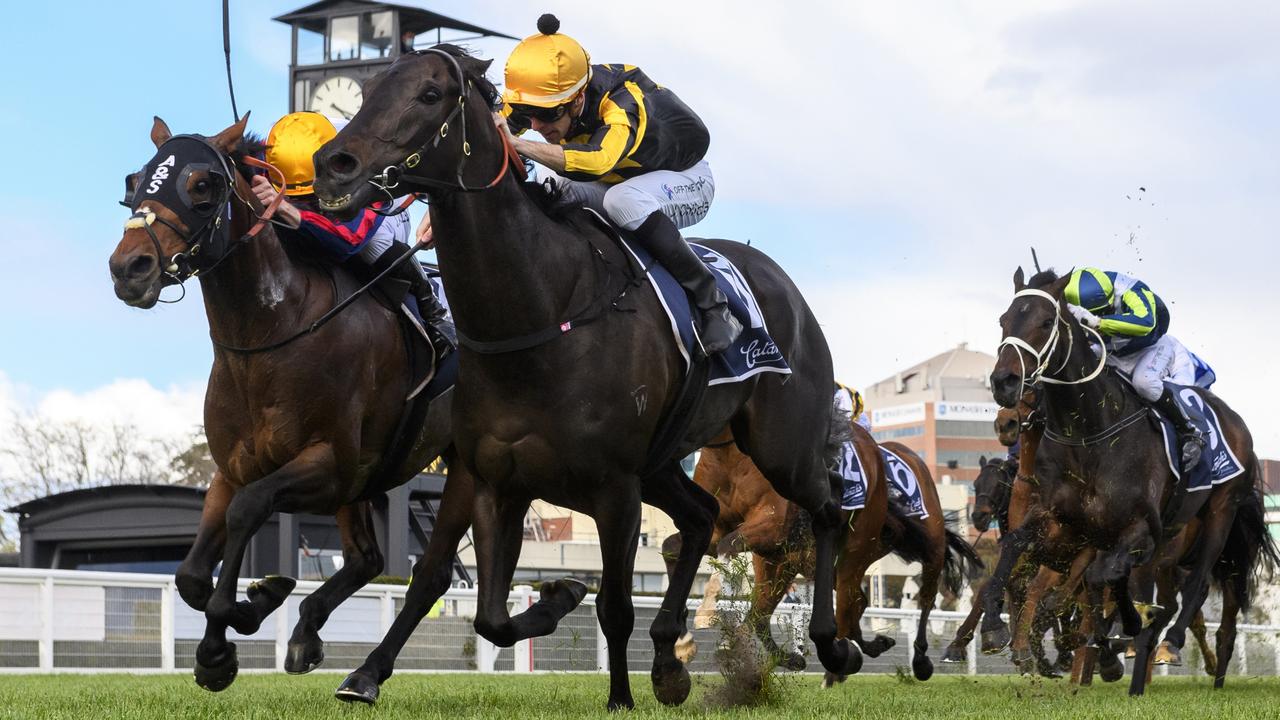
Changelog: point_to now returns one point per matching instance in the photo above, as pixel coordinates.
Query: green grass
(170, 697)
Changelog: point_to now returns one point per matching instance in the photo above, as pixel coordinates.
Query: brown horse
(1105, 485)
(568, 371)
(754, 518)
(303, 427)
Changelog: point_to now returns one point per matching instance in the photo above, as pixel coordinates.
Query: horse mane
(251, 145)
(1043, 278)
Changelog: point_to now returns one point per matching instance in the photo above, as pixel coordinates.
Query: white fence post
(166, 625)
(387, 612)
(46, 624)
(282, 635)
(602, 643)
(1242, 652)
(910, 629)
(523, 650)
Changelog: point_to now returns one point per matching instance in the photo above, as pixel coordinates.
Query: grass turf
(169, 697)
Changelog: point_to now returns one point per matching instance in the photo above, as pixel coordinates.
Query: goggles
(522, 116)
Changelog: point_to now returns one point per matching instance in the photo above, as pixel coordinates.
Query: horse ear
(484, 66)
(159, 132)
(1018, 280)
(982, 461)
(229, 139)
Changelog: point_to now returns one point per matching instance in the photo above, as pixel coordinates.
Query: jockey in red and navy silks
(1134, 324)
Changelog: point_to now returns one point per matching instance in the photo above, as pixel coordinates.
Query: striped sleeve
(1138, 318)
(340, 239)
(624, 118)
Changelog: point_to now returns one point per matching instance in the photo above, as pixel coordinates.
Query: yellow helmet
(547, 69)
(290, 145)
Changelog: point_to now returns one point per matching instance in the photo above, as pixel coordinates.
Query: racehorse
(296, 421)
(567, 371)
(756, 519)
(1105, 483)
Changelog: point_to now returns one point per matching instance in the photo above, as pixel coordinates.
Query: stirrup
(719, 328)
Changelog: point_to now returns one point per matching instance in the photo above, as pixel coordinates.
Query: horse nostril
(342, 164)
(140, 267)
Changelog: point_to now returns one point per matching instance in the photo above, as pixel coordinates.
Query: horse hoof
(955, 654)
(1130, 652)
(995, 640)
(195, 591)
(1167, 654)
(1022, 660)
(303, 657)
(1047, 669)
(793, 662)
(686, 648)
(358, 687)
(671, 683)
(853, 661)
(623, 703)
(1210, 664)
(1063, 665)
(1110, 668)
(922, 667)
(565, 592)
(218, 672)
(830, 679)
(878, 645)
(270, 592)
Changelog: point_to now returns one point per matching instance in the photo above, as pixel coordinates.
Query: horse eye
(202, 186)
(431, 96)
(1047, 324)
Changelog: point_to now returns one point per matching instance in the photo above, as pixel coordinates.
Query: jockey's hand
(424, 233)
(266, 194)
(1084, 316)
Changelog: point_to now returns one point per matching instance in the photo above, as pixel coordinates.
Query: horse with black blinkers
(568, 371)
(300, 416)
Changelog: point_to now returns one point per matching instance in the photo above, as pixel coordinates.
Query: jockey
(849, 401)
(1134, 324)
(623, 146)
(368, 236)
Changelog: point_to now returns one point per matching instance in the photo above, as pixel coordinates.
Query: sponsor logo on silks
(160, 175)
(667, 189)
(755, 353)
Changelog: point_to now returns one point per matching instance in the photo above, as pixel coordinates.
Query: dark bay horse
(567, 369)
(756, 519)
(300, 428)
(1104, 482)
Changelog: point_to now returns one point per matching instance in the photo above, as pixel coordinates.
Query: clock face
(338, 96)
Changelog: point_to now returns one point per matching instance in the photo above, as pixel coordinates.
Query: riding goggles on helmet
(522, 116)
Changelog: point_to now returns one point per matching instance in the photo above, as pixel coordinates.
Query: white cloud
(170, 413)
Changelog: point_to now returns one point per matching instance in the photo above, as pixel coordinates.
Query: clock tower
(338, 45)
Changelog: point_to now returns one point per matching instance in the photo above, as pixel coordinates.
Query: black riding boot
(440, 331)
(662, 239)
(1189, 436)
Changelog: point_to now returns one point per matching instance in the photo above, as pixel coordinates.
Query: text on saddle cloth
(1218, 463)
(752, 353)
(904, 486)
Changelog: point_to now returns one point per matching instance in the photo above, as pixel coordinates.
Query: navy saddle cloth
(1218, 463)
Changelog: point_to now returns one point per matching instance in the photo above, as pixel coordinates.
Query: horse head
(992, 490)
(1031, 327)
(1011, 422)
(415, 132)
(180, 202)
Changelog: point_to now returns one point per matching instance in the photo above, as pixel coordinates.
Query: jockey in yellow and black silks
(1134, 324)
(624, 146)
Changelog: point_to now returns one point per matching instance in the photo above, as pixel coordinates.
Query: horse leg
(931, 572)
(1233, 593)
(995, 632)
(194, 578)
(694, 512)
(1086, 655)
(499, 532)
(1026, 617)
(361, 562)
(851, 602)
(432, 574)
(307, 477)
(955, 652)
(1200, 632)
(614, 610)
(1213, 538)
(773, 577)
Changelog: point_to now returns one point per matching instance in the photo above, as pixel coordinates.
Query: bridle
(406, 170)
(1044, 354)
(208, 238)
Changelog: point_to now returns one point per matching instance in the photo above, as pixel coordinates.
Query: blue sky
(897, 158)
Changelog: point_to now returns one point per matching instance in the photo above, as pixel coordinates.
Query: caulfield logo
(754, 354)
(160, 175)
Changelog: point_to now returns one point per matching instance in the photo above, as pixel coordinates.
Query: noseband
(209, 243)
(1044, 354)
(405, 170)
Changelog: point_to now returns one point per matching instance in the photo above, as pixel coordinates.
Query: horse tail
(839, 432)
(1250, 550)
(906, 537)
(962, 562)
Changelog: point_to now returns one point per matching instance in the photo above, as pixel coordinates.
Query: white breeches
(1147, 369)
(684, 196)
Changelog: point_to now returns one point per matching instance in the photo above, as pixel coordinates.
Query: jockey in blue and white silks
(1134, 324)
